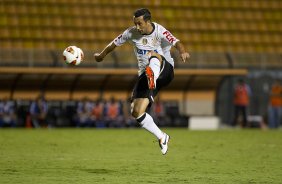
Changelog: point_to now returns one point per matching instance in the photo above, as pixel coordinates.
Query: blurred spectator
(8, 116)
(113, 116)
(38, 112)
(275, 105)
(241, 100)
(98, 114)
(84, 113)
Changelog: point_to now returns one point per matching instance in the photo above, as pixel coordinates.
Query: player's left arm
(172, 40)
(184, 55)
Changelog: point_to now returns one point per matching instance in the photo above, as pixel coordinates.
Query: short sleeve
(122, 38)
(167, 37)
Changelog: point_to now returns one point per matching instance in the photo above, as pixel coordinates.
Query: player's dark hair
(143, 12)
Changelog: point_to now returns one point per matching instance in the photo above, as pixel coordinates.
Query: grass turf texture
(131, 156)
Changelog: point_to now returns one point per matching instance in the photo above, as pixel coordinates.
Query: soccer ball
(73, 55)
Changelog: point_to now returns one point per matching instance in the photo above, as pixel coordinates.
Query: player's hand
(184, 56)
(98, 57)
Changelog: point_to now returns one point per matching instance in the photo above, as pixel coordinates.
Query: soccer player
(152, 44)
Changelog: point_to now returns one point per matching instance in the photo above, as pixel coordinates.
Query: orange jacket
(113, 111)
(276, 95)
(241, 95)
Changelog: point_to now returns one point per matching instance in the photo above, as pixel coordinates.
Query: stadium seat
(216, 20)
(221, 27)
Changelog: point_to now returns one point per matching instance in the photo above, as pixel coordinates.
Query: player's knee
(136, 112)
(155, 55)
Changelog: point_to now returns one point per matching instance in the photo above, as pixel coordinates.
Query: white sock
(147, 122)
(155, 65)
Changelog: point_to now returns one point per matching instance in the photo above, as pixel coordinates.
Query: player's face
(141, 25)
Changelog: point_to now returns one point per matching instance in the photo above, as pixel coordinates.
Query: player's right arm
(118, 41)
(109, 48)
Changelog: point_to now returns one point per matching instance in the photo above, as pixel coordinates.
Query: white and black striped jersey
(160, 41)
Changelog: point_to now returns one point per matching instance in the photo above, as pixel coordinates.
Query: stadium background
(227, 40)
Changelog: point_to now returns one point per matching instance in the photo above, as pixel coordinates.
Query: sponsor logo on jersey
(144, 52)
(169, 36)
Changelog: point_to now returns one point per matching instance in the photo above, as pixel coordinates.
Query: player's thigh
(158, 56)
(139, 106)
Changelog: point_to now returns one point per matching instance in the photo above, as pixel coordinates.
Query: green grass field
(132, 156)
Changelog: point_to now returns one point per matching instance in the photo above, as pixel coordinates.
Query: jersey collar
(152, 30)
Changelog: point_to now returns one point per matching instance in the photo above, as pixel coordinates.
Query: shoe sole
(150, 77)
